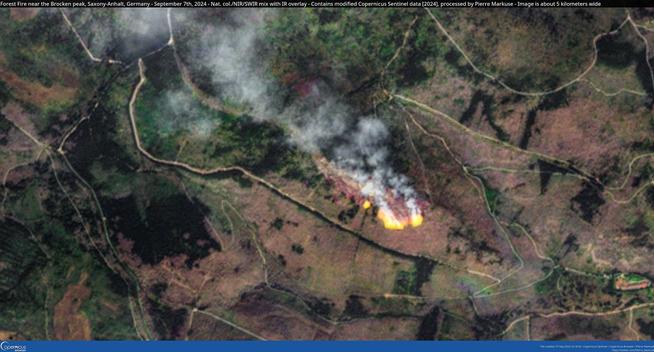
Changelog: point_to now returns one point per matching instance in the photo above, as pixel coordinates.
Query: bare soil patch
(69, 322)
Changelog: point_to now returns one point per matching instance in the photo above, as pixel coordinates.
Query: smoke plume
(234, 51)
(320, 121)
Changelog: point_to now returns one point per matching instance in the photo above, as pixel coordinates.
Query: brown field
(69, 323)
(23, 14)
(34, 92)
(9, 335)
(505, 239)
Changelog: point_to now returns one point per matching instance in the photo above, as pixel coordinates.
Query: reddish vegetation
(16, 113)
(23, 14)
(18, 175)
(305, 87)
(396, 216)
(69, 323)
(345, 190)
(34, 92)
(562, 131)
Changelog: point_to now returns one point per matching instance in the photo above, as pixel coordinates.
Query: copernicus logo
(12, 347)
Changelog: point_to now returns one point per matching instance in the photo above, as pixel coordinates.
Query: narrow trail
(540, 255)
(596, 314)
(134, 298)
(615, 93)
(479, 294)
(630, 310)
(253, 177)
(577, 79)
(138, 319)
(452, 121)
(6, 176)
(630, 325)
(478, 184)
(72, 130)
(405, 40)
(225, 321)
(580, 78)
(513, 323)
(420, 162)
(270, 186)
(584, 175)
(506, 86)
(204, 172)
(208, 100)
(81, 41)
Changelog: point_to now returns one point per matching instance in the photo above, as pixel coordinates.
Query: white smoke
(185, 113)
(122, 32)
(234, 51)
(230, 52)
(317, 122)
(144, 22)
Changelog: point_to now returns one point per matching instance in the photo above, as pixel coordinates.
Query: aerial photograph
(326, 173)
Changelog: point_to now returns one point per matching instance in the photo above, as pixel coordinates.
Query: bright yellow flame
(416, 220)
(367, 204)
(392, 222)
(389, 220)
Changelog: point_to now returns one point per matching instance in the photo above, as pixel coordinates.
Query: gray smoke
(230, 52)
(186, 113)
(234, 52)
(145, 22)
(365, 157)
(130, 31)
(317, 122)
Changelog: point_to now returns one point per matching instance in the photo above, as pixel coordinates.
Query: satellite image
(326, 174)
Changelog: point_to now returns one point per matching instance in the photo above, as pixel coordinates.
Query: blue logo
(12, 347)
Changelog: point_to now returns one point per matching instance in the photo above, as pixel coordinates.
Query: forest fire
(400, 216)
(395, 212)
(389, 219)
(416, 220)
